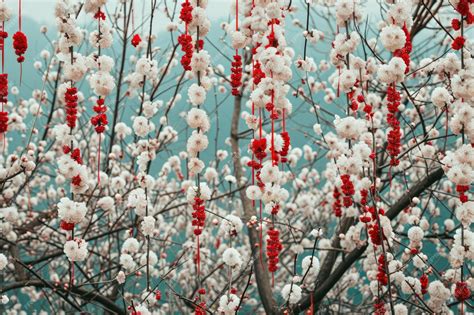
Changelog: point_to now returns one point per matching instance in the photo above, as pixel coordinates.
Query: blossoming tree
(315, 157)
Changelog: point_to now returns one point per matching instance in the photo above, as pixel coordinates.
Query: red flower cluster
(71, 106)
(75, 154)
(158, 295)
(394, 135)
(200, 309)
(272, 41)
(3, 36)
(99, 15)
(236, 76)
(186, 14)
(364, 193)
(3, 122)
(456, 24)
(275, 209)
(199, 215)
(258, 147)
(382, 277)
(3, 87)
(20, 44)
(136, 40)
(99, 121)
(462, 189)
(274, 248)
(464, 9)
(424, 283)
(3, 99)
(286, 146)
(186, 42)
(379, 307)
(336, 206)
(66, 226)
(348, 190)
(405, 51)
(374, 233)
(458, 43)
(462, 292)
(258, 74)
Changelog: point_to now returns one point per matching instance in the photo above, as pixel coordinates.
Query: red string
(3, 49)
(98, 161)
(198, 258)
(186, 24)
(19, 26)
(19, 14)
(236, 20)
(236, 15)
(283, 120)
(261, 233)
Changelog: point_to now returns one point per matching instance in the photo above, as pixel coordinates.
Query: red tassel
(98, 161)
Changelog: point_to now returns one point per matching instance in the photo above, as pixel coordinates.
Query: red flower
(158, 295)
(336, 206)
(99, 121)
(99, 15)
(66, 226)
(374, 233)
(463, 7)
(286, 146)
(76, 155)
(136, 40)
(71, 106)
(236, 76)
(199, 215)
(3, 88)
(456, 24)
(258, 147)
(462, 292)
(186, 42)
(405, 51)
(186, 12)
(461, 189)
(348, 190)
(20, 44)
(274, 248)
(458, 43)
(3, 122)
(258, 74)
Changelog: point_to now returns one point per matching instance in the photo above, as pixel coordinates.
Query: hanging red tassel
(274, 248)
(71, 106)
(3, 121)
(3, 100)
(99, 121)
(236, 76)
(3, 87)
(20, 44)
(185, 40)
